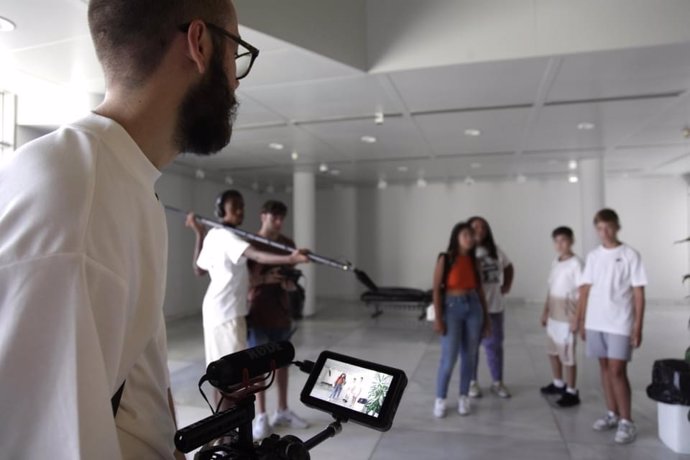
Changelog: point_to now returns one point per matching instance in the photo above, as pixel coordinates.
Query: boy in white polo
(560, 314)
(611, 314)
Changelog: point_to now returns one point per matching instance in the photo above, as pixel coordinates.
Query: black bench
(392, 297)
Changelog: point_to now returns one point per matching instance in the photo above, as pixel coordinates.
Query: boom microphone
(254, 362)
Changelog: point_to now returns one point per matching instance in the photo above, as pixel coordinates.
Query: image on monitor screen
(353, 387)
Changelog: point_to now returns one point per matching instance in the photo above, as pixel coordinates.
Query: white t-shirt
(612, 274)
(564, 281)
(491, 272)
(226, 297)
(83, 257)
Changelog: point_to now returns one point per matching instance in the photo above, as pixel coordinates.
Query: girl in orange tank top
(461, 315)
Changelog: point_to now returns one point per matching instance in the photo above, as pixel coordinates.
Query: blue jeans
(463, 316)
(262, 336)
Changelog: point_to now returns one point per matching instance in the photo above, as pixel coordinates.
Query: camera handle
(218, 425)
(330, 431)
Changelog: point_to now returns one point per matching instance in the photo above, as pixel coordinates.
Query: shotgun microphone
(254, 362)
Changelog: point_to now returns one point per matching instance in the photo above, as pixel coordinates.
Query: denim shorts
(606, 345)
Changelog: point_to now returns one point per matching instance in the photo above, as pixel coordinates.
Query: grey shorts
(606, 345)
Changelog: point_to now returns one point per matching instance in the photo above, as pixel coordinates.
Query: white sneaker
(475, 390)
(289, 419)
(626, 433)
(440, 408)
(260, 428)
(464, 406)
(608, 422)
(500, 390)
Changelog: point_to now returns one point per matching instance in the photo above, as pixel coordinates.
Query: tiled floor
(524, 427)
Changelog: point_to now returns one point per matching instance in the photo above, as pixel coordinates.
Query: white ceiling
(527, 109)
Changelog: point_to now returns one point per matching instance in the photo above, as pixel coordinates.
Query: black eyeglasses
(244, 57)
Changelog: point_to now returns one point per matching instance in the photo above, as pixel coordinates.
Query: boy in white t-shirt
(560, 316)
(223, 256)
(611, 313)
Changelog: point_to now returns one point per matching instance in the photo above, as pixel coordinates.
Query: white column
(592, 197)
(304, 221)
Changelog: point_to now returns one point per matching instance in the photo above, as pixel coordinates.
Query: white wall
(400, 230)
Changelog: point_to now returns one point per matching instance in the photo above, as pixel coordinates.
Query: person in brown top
(269, 316)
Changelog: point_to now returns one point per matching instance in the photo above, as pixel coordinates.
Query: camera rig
(228, 434)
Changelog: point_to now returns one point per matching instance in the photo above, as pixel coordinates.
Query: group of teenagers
(602, 301)
(247, 302)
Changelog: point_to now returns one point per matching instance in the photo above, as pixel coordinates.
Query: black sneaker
(552, 389)
(569, 399)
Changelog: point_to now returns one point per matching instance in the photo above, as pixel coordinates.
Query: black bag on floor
(670, 382)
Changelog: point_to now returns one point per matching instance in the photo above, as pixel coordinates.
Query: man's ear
(198, 45)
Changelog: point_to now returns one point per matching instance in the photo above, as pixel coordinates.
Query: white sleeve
(587, 277)
(234, 247)
(218, 244)
(144, 422)
(638, 274)
(55, 388)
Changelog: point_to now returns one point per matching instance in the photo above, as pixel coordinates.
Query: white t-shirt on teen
(491, 272)
(564, 279)
(612, 274)
(226, 297)
(83, 257)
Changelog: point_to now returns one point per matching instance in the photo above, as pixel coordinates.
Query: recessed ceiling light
(573, 179)
(335, 172)
(403, 169)
(294, 156)
(421, 182)
(255, 186)
(200, 174)
(475, 165)
(521, 179)
(472, 132)
(270, 189)
(368, 139)
(6, 25)
(469, 181)
(585, 126)
(382, 184)
(276, 146)
(323, 167)
(378, 118)
(572, 165)
(229, 180)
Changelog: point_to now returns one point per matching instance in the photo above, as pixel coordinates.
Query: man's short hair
(563, 231)
(275, 208)
(608, 216)
(132, 36)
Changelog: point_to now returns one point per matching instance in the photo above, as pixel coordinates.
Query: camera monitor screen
(352, 389)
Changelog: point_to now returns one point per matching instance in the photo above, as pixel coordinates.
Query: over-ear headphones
(222, 198)
(220, 205)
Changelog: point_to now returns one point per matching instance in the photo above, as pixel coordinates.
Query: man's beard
(205, 117)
